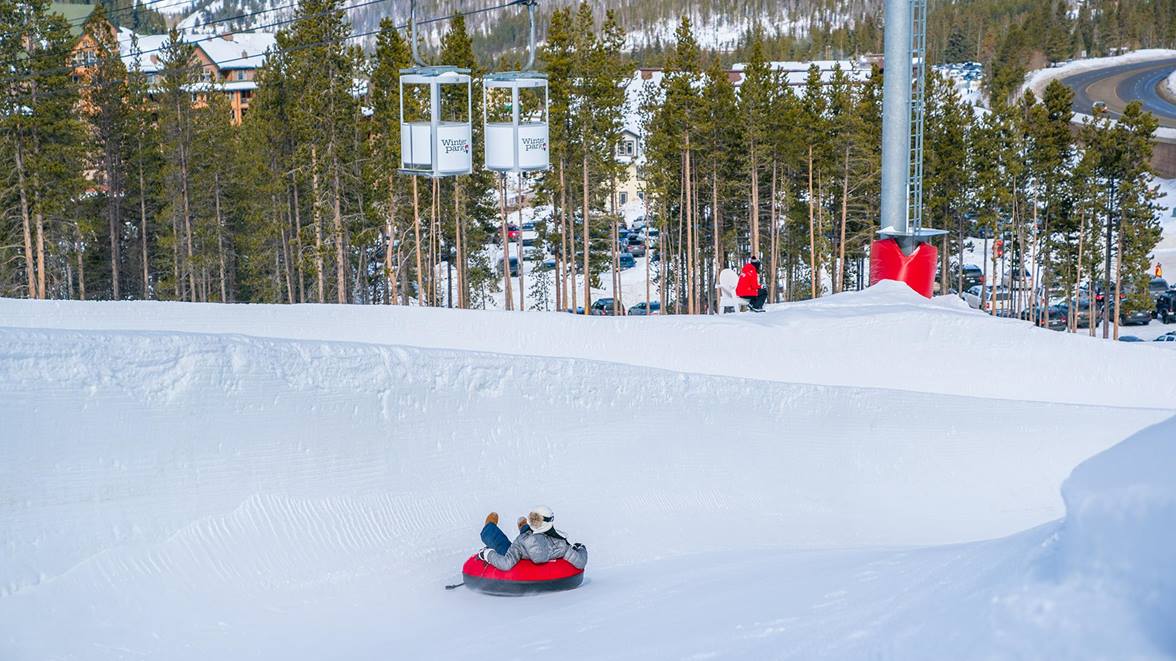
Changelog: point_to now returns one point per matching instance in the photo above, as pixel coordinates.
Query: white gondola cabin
(436, 138)
(514, 112)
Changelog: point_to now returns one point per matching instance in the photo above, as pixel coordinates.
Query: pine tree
(107, 108)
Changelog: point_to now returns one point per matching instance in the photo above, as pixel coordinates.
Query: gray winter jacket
(538, 549)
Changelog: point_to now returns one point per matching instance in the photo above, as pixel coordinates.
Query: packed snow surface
(870, 475)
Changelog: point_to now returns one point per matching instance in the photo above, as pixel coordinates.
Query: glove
(484, 554)
(577, 546)
(492, 518)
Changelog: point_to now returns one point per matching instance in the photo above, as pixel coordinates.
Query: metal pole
(531, 40)
(416, 57)
(896, 116)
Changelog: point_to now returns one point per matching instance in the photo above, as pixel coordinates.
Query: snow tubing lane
(525, 577)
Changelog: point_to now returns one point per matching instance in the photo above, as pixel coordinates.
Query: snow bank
(1102, 583)
(1120, 528)
(884, 337)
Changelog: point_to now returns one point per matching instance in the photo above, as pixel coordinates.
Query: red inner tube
(524, 578)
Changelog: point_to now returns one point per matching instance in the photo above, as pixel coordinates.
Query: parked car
(636, 249)
(1165, 338)
(1082, 320)
(973, 275)
(512, 234)
(1166, 307)
(1129, 338)
(1058, 317)
(986, 295)
(626, 260)
(1157, 286)
(1016, 278)
(640, 311)
(604, 307)
(547, 265)
(514, 266)
(1140, 317)
(529, 234)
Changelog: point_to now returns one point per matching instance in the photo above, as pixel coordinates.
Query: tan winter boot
(492, 518)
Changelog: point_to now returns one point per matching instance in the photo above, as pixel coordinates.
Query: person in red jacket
(749, 286)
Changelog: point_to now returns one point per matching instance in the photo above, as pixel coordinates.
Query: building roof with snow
(230, 51)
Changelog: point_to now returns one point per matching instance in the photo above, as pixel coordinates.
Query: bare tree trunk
(616, 239)
(1073, 321)
(287, 272)
(715, 223)
(81, 265)
(39, 226)
(390, 241)
(691, 303)
(143, 229)
(296, 214)
(30, 268)
(1118, 277)
(648, 257)
(220, 242)
(340, 236)
(431, 281)
(754, 211)
(587, 248)
(176, 278)
(416, 228)
(316, 216)
(508, 297)
(774, 237)
(187, 211)
(519, 252)
(568, 239)
(112, 219)
(812, 228)
(839, 278)
(458, 232)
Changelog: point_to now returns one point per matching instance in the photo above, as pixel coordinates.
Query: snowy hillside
(719, 24)
(188, 481)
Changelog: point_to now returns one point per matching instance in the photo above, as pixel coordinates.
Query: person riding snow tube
(541, 559)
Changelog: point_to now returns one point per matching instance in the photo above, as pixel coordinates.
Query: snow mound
(884, 337)
(1120, 528)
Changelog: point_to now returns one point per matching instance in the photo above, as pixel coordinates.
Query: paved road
(1116, 86)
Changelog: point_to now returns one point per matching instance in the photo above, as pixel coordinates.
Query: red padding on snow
(524, 571)
(917, 269)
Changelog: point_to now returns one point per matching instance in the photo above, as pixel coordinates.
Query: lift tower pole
(902, 252)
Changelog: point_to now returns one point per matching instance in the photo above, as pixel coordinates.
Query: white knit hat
(540, 519)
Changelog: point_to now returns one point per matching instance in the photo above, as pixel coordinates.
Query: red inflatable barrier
(525, 577)
(887, 262)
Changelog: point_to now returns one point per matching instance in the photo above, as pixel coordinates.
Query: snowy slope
(198, 481)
